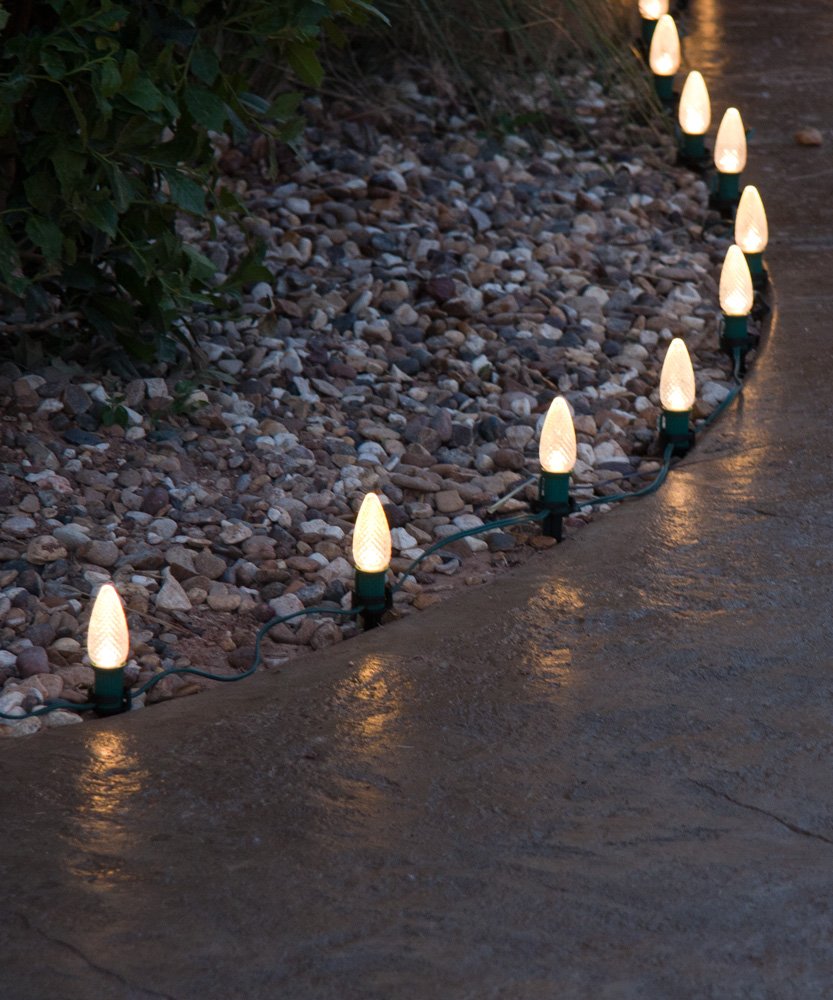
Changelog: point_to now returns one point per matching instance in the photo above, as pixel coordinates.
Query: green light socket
(728, 188)
(648, 28)
(664, 86)
(693, 147)
(756, 265)
(674, 429)
(108, 691)
(735, 331)
(554, 498)
(371, 593)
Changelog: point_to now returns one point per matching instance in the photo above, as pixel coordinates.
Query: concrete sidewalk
(607, 775)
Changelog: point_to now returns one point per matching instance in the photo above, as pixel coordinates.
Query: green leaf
(121, 187)
(285, 106)
(41, 191)
(110, 78)
(206, 108)
(102, 215)
(200, 268)
(4, 18)
(185, 193)
(304, 62)
(205, 65)
(53, 64)
(143, 93)
(46, 236)
(69, 167)
(249, 271)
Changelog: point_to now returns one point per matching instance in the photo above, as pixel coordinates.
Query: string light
(371, 554)
(752, 232)
(664, 57)
(677, 393)
(557, 455)
(108, 646)
(736, 298)
(650, 11)
(729, 158)
(695, 115)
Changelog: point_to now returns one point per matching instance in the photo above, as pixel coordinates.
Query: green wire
(650, 488)
(505, 522)
(261, 634)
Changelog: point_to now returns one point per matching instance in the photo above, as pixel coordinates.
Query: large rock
(32, 660)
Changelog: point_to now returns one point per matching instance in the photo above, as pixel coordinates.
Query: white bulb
(108, 640)
(730, 144)
(664, 56)
(695, 107)
(557, 447)
(736, 292)
(751, 229)
(676, 381)
(652, 10)
(371, 537)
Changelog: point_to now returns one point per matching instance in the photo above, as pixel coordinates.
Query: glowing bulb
(652, 10)
(371, 537)
(736, 293)
(557, 447)
(108, 640)
(751, 230)
(730, 144)
(664, 57)
(676, 381)
(695, 107)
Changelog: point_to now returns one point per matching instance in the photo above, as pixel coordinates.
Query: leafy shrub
(106, 115)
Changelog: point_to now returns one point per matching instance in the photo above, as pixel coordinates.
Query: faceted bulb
(371, 537)
(751, 230)
(557, 447)
(695, 106)
(730, 144)
(652, 10)
(676, 381)
(108, 640)
(736, 293)
(664, 56)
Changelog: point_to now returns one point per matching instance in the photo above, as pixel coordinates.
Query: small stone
(288, 604)
(327, 634)
(172, 597)
(53, 720)
(210, 565)
(71, 536)
(18, 525)
(220, 598)
(32, 660)
(102, 553)
(809, 136)
(154, 499)
(500, 541)
(164, 528)
(449, 502)
(235, 532)
(44, 549)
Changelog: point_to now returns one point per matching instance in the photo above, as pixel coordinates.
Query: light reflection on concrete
(372, 696)
(107, 786)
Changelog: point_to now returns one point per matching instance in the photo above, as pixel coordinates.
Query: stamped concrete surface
(607, 775)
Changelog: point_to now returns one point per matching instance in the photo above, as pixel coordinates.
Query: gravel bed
(433, 290)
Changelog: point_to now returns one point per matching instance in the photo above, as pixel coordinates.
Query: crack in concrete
(792, 827)
(102, 970)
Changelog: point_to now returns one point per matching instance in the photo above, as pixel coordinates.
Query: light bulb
(736, 293)
(652, 10)
(108, 640)
(695, 107)
(730, 144)
(676, 381)
(664, 57)
(751, 230)
(371, 537)
(557, 447)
